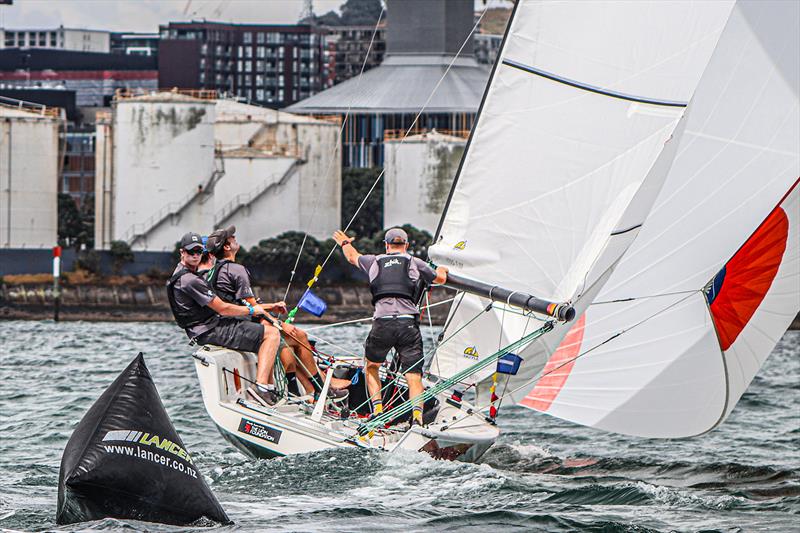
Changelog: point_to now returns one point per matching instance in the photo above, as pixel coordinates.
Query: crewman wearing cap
(396, 280)
(197, 310)
(231, 282)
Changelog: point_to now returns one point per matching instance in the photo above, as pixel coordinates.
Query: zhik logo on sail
(391, 262)
(460, 245)
(471, 352)
(146, 439)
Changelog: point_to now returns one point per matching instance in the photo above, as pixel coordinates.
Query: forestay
(569, 151)
(713, 280)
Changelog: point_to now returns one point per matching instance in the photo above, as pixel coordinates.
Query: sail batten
(592, 88)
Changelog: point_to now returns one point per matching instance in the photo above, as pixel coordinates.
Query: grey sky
(146, 15)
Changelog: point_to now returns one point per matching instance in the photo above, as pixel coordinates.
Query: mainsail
(713, 279)
(577, 131)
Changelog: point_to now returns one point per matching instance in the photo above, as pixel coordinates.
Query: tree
(74, 227)
(356, 182)
(360, 12)
(120, 255)
(353, 13)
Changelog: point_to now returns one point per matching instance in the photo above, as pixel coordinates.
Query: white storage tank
(418, 176)
(28, 175)
(164, 168)
(282, 172)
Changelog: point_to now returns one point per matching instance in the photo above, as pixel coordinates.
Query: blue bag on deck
(509, 364)
(311, 303)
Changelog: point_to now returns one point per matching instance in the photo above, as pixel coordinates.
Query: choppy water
(544, 474)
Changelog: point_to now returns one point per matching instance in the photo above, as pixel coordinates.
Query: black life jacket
(186, 318)
(393, 279)
(213, 280)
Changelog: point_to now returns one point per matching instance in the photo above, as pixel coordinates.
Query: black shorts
(241, 335)
(403, 335)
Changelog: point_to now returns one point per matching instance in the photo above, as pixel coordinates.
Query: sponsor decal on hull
(260, 431)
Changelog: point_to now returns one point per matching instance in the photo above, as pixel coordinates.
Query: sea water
(542, 475)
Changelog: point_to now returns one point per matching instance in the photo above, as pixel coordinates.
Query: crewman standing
(397, 281)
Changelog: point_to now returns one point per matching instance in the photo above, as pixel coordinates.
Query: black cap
(191, 240)
(218, 238)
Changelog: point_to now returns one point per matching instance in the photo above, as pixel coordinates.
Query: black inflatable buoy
(125, 460)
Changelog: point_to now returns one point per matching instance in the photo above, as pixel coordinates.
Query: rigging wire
(537, 378)
(332, 157)
(402, 140)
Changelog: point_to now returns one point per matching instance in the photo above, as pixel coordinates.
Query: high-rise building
(60, 38)
(134, 44)
(429, 69)
(273, 65)
(347, 46)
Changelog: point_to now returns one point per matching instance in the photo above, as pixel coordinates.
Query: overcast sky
(146, 15)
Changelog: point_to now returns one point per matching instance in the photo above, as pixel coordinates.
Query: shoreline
(148, 303)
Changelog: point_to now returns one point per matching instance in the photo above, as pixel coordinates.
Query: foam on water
(543, 475)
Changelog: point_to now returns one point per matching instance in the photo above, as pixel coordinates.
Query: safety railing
(245, 199)
(397, 134)
(200, 94)
(139, 230)
(30, 107)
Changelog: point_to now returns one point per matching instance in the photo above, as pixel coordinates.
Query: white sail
(568, 147)
(655, 355)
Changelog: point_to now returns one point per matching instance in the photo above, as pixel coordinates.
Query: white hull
(290, 428)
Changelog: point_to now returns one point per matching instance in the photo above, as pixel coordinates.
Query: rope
(336, 149)
(536, 379)
(440, 387)
(357, 320)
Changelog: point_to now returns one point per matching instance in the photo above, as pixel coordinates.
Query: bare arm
(223, 308)
(350, 252)
(441, 275)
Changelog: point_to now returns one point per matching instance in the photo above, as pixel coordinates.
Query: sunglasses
(194, 251)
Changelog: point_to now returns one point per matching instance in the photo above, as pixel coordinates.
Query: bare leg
(266, 354)
(414, 381)
(298, 340)
(373, 382)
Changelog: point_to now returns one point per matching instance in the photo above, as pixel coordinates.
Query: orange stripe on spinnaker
(557, 369)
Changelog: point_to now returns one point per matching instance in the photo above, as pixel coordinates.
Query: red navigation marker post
(56, 278)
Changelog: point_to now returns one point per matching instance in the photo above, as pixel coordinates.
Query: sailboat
(622, 232)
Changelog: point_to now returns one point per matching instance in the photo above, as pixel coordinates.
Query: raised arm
(350, 252)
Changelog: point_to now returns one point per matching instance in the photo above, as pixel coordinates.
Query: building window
(260, 93)
(247, 38)
(261, 52)
(53, 41)
(259, 80)
(261, 37)
(10, 36)
(248, 52)
(248, 80)
(260, 66)
(248, 66)
(280, 95)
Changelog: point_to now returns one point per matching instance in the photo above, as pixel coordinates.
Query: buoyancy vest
(186, 318)
(393, 279)
(213, 280)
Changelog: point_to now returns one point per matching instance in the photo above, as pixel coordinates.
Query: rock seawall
(136, 302)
